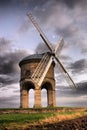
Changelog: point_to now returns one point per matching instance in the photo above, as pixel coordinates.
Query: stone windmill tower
(32, 69)
(37, 72)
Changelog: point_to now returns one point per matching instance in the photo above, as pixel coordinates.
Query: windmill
(42, 68)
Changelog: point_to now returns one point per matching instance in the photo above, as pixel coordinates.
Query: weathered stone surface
(26, 83)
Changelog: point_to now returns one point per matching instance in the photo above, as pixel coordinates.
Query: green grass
(17, 118)
(15, 121)
(66, 113)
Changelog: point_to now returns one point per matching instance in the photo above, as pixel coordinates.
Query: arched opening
(31, 98)
(47, 94)
(44, 97)
(28, 95)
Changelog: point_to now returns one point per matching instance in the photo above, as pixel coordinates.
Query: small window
(27, 73)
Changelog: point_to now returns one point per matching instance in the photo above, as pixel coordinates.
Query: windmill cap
(33, 58)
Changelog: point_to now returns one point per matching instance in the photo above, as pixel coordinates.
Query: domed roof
(32, 58)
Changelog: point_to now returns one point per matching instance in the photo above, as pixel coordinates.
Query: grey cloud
(67, 23)
(10, 61)
(9, 69)
(61, 5)
(5, 79)
(72, 3)
(24, 27)
(8, 79)
(21, 3)
(84, 51)
(16, 91)
(82, 86)
(67, 91)
(57, 15)
(10, 102)
(65, 58)
(68, 31)
(69, 3)
(4, 2)
(78, 66)
(5, 45)
(42, 3)
(41, 48)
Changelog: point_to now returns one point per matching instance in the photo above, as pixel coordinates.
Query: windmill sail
(59, 46)
(40, 31)
(48, 45)
(42, 69)
(65, 74)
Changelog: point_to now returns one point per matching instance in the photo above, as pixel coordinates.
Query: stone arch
(31, 98)
(50, 93)
(24, 91)
(28, 85)
(44, 102)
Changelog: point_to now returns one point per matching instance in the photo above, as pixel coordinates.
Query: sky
(19, 38)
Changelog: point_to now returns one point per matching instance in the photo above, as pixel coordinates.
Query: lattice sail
(36, 77)
(42, 69)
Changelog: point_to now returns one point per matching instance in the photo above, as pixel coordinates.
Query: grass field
(13, 121)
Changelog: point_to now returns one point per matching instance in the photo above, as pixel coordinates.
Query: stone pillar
(24, 98)
(51, 97)
(37, 98)
(54, 98)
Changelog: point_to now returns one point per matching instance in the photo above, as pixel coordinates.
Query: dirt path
(75, 124)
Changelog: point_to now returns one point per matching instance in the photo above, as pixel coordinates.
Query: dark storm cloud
(9, 59)
(8, 79)
(82, 86)
(22, 3)
(79, 66)
(9, 62)
(72, 3)
(67, 91)
(9, 69)
(41, 2)
(5, 2)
